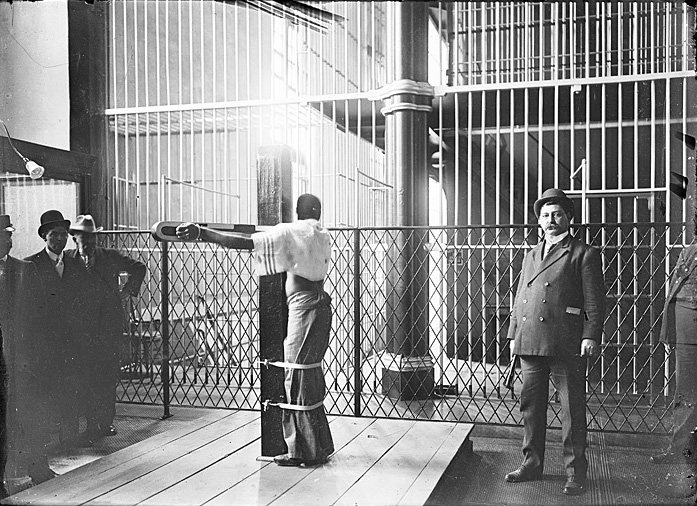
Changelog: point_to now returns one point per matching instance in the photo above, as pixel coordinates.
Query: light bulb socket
(34, 169)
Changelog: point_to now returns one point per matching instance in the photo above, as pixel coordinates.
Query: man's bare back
(295, 284)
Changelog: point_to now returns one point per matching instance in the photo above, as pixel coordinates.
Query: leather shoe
(286, 461)
(314, 463)
(575, 485)
(669, 457)
(41, 474)
(524, 474)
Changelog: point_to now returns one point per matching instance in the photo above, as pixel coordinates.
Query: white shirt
(302, 247)
(58, 260)
(551, 241)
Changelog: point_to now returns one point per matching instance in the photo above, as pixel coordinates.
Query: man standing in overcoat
(65, 306)
(23, 349)
(556, 322)
(104, 267)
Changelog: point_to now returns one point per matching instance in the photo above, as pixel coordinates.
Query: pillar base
(407, 378)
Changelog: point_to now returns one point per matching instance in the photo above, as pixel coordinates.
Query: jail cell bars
(213, 341)
(197, 87)
(201, 165)
(509, 42)
(594, 98)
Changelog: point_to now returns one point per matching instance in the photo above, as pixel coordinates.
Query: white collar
(556, 238)
(53, 256)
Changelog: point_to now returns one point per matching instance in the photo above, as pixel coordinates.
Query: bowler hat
(84, 223)
(554, 196)
(5, 225)
(52, 218)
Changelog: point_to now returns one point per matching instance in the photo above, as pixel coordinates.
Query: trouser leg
(103, 383)
(569, 377)
(3, 417)
(533, 406)
(69, 406)
(685, 396)
(33, 422)
(108, 408)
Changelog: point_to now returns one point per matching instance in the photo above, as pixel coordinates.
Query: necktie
(89, 263)
(59, 267)
(548, 248)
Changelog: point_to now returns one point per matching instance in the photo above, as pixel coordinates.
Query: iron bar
(357, 320)
(164, 329)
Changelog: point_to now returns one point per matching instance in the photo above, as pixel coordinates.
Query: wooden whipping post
(275, 205)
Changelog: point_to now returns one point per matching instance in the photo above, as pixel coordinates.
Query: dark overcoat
(684, 269)
(20, 315)
(67, 306)
(108, 263)
(560, 300)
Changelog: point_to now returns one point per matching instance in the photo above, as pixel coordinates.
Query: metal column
(407, 99)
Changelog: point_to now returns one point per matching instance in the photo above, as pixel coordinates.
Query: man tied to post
(556, 322)
(301, 249)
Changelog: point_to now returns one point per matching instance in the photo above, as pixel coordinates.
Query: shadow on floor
(134, 423)
(618, 475)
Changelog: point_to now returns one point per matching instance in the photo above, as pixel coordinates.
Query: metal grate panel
(472, 275)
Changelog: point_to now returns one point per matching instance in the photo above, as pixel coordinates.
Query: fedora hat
(554, 196)
(52, 218)
(5, 225)
(84, 223)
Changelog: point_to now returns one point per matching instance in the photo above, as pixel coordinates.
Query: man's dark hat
(50, 219)
(5, 224)
(554, 196)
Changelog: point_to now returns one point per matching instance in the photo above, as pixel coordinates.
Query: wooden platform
(214, 460)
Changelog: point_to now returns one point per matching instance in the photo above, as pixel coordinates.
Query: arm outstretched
(235, 240)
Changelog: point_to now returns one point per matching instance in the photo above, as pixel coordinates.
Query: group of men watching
(62, 320)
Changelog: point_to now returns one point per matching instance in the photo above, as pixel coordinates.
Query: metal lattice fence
(454, 285)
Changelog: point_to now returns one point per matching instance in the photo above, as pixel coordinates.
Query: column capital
(405, 94)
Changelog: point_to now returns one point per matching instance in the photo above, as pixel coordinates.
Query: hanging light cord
(9, 137)
(34, 169)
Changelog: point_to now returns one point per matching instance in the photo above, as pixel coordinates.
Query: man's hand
(588, 348)
(188, 231)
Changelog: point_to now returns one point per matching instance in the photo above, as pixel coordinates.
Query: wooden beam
(274, 201)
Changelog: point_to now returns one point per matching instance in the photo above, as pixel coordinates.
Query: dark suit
(679, 329)
(560, 301)
(21, 349)
(106, 265)
(65, 307)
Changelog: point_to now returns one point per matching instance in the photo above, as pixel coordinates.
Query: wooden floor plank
(101, 476)
(213, 461)
(425, 483)
(399, 467)
(348, 465)
(213, 480)
(272, 482)
(221, 476)
(171, 473)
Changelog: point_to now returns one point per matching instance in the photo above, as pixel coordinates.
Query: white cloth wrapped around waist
(302, 248)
